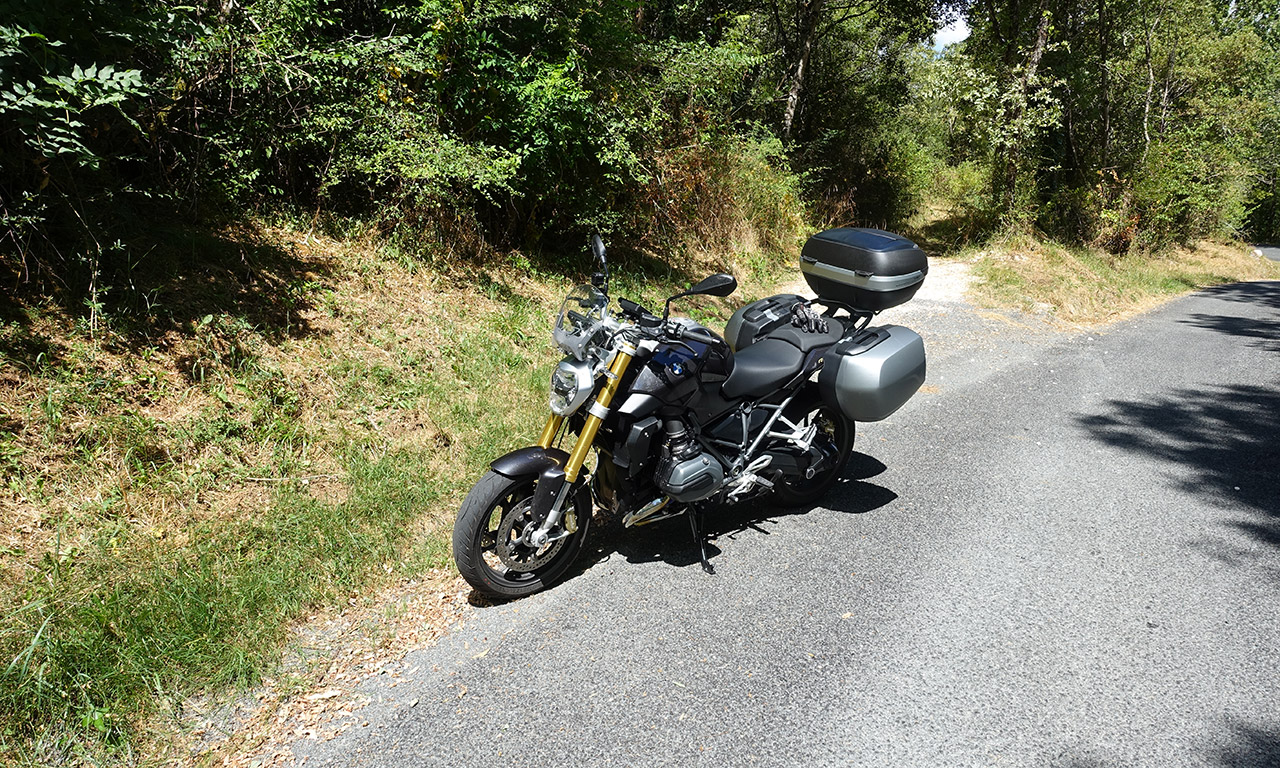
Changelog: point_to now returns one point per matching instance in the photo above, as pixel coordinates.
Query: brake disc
(512, 546)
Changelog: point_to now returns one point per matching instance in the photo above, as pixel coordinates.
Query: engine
(686, 472)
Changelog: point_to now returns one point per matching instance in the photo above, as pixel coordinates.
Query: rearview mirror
(715, 285)
(601, 278)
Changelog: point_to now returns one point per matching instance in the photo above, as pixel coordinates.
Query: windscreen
(581, 318)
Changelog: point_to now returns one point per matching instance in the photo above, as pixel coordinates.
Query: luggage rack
(861, 317)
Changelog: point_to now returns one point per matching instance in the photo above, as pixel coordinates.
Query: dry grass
(332, 651)
(293, 432)
(273, 470)
(399, 321)
(1080, 287)
(313, 693)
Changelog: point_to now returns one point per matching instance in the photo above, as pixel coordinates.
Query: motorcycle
(680, 418)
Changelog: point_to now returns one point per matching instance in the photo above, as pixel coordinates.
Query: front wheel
(489, 538)
(829, 453)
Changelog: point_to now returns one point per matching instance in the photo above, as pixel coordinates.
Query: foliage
(71, 97)
(863, 162)
(1139, 126)
(523, 125)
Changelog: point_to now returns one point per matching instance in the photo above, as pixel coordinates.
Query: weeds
(1082, 285)
(181, 493)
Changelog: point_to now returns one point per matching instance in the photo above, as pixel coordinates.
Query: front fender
(547, 465)
(529, 462)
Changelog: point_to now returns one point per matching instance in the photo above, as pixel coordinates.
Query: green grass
(199, 480)
(125, 606)
(120, 621)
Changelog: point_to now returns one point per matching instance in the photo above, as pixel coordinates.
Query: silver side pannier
(873, 374)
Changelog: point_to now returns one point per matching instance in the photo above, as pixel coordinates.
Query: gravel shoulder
(965, 343)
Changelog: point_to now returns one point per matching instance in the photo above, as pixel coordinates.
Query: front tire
(487, 545)
(831, 449)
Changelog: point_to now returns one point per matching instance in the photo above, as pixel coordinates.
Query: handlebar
(643, 317)
(699, 336)
(652, 326)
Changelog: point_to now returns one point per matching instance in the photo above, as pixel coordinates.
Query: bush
(1188, 189)
(74, 151)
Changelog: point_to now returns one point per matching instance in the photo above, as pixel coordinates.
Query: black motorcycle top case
(868, 269)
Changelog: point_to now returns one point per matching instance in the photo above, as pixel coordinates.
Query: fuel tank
(665, 384)
(672, 375)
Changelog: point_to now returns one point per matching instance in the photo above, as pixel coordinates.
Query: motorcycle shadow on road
(671, 541)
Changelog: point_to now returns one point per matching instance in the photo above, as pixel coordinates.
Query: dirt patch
(948, 281)
(315, 695)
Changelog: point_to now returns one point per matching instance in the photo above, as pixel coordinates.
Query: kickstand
(695, 523)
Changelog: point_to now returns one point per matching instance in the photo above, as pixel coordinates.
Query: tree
(801, 26)
(1121, 124)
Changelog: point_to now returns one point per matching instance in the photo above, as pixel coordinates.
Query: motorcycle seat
(762, 367)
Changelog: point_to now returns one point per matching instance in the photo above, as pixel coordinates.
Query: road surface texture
(1065, 552)
(1270, 251)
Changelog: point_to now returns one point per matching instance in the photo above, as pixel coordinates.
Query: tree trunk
(1104, 39)
(1166, 91)
(810, 13)
(1149, 29)
(1013, 156)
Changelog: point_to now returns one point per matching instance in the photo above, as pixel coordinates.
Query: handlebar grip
(630, 307)
(643, 317)
(704, 338)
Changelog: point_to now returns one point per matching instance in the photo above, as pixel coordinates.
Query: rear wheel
(490, 538)
(829, 453)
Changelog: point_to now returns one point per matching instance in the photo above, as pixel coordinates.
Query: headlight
(571, 385)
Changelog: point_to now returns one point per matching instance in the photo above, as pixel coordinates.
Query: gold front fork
(596, 415)
(550, 430)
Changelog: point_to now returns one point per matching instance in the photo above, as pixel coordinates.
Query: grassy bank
(1081, 286)
(291, 425)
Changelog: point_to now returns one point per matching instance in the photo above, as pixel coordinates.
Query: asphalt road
(1270, 251)
(1065, 553)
